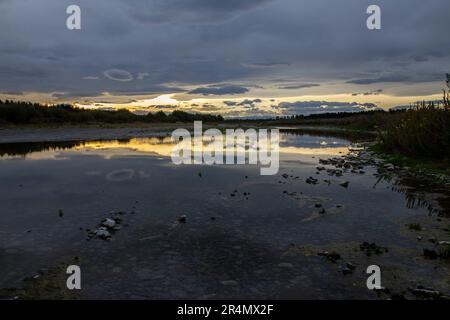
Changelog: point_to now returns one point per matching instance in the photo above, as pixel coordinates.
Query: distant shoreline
(91, 132)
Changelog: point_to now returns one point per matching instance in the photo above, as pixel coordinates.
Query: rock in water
(430, 253)
(103, 234)
(332, 256)
(109, 223)
(230, 283)
(350, 266)
(344, 184)
(346, 271)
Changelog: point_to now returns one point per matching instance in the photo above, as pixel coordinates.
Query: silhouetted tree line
(17, 112)
(336, 115)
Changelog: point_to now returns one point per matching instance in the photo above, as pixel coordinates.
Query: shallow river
(245, 235)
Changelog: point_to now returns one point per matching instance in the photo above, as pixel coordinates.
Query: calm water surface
(246, 235)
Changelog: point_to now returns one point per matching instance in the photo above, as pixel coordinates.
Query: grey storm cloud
(265, 64)
(369, 93)
(164, 106)
(162, 11)
(398, 78)
(405, 78)
(151, 44)
(219, 90)
(243, 103)
(300, 86)
(118, 75)
(74, 94)
(310, 107)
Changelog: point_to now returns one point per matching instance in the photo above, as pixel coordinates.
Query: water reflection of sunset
(163, 146)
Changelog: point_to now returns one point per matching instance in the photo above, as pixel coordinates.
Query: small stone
(346, 271)
(285, 265)
(311, 180)
(332, 256)
(116, 270)
(182, 219)
(230, 283)
(350, 266)
(103, 234)
(430, 253)
(109, 223)
(344, 184)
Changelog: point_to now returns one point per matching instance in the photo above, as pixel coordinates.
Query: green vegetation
(439, 166)
(423, 131)
(415, 226)
(45, 285)
(19, 113)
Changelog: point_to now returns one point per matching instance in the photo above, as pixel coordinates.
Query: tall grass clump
(422, 131)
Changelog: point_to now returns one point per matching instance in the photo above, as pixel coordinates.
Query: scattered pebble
(232, 283)
(182, 219)
(344, 184)
(285, 265)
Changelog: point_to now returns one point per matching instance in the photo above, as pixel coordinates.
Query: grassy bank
(421, 132)
(419, 138)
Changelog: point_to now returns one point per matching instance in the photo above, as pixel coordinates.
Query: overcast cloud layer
(204, 48)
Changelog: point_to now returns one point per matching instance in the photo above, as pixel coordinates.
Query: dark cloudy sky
(236, 57)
